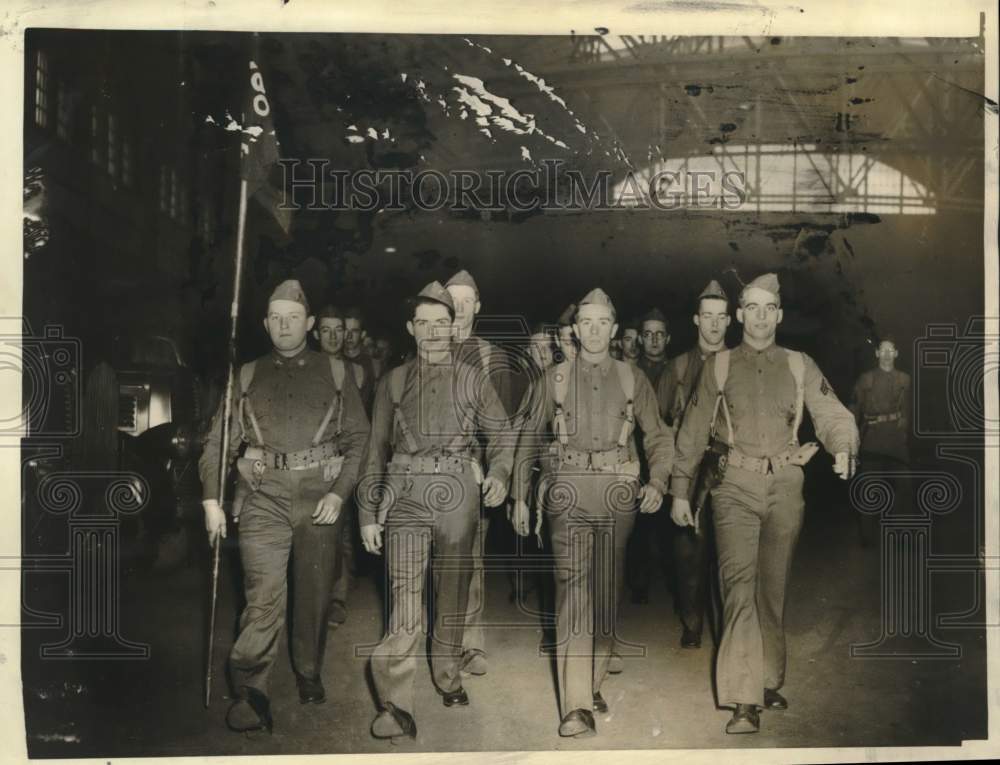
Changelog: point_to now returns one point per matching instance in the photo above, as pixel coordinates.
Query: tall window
(112, 147)
(126, 162)
(62, 112)
(41, 89)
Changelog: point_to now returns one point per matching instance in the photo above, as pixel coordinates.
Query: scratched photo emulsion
(442, 393)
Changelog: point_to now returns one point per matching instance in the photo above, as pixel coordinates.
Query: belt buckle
(437, 464)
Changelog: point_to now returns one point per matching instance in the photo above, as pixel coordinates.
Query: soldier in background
(491, 365)
(566, 341)
(654, 336)
(750, 400)
(631, 350)
(650, 530)
(305, 428)
(423, 487)
(692, 549)
(354, 351)
(582, 431)
(881, 404)
(330, 330)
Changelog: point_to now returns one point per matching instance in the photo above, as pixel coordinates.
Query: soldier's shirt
(447, 407)
(677, 380)
(760, 392)
(368, 383)
(290, 396)
(878, 392)
(473, 350)
(595, 410)
(652, 369)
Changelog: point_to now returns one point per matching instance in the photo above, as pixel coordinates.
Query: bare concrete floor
(662, 700)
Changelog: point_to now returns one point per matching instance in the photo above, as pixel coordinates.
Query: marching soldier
(691, 547)
(423, 486)
(748, 406)
(305, 428)
(330, 330)
(631, 350)
(354, 350)
(881, 404)
(582, 429)
(481, 355)
(654, 336)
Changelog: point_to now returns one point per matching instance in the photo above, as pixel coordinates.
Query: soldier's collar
(750, 352)
(604, 365)
(299, 359)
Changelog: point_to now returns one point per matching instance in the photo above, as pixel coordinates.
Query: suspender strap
(560, 386)
(246, 377)
(397, 379)
(798, 369)
(627, 380)
(721, 375)
(679, 399)
(337, 404)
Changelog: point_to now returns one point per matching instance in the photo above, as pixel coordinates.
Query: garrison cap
(631, 323)
(437, 294)
(597, 296)
(290, 289)
(462, 279)
(654, 314)
(766, 282)
(713, 290)
(566, 317)
(330, 311)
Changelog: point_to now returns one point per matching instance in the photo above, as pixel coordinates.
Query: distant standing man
(581, 428)
(751, 399)
(692, 548)
(882, 404)
(478, 354)
(305, 428)
(422, 488)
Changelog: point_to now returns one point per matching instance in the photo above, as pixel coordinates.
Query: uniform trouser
(692, 558)
(432, 523)
(345, 560)
(757, 520)
(275, 523)
(474, 637)
(588, 544)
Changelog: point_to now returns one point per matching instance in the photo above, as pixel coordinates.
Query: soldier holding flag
(305, 428)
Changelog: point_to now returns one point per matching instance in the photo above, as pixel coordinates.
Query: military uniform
(758, 507)
(349, 531)
(489, 361)
(303, 432)
(691, 550)
(425, 454)
(588, 488)
(649, 529)
(882, 404)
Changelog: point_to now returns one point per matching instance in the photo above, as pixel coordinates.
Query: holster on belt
(251, 469)
(710, 475)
